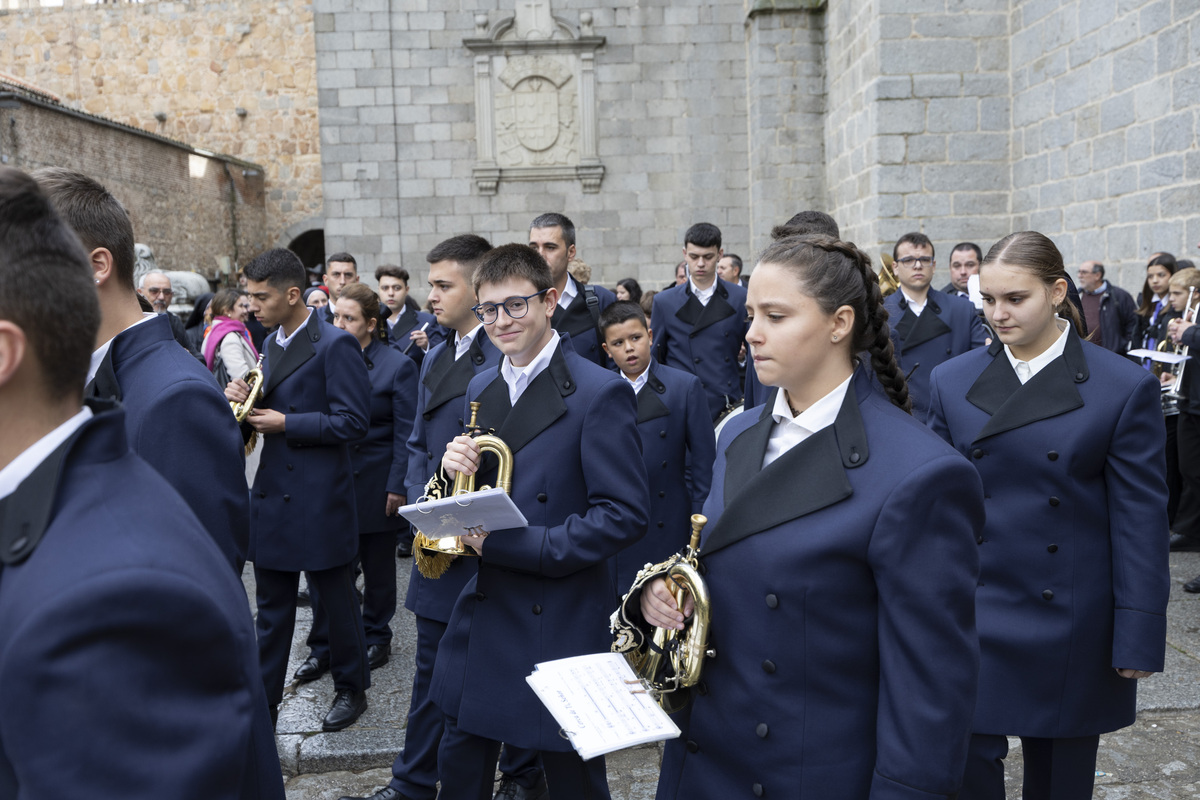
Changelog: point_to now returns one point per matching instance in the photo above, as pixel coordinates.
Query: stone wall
(198, 213)
(197, 62)
(1105, 99)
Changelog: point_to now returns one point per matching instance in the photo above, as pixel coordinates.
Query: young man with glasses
(544, 591)
(928, 326)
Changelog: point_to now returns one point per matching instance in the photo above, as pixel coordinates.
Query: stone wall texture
(197, 62)
(966, 119)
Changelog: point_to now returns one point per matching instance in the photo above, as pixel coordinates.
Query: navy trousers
(1055, 769)
(276, 622)
(471, 767)
(377, 553)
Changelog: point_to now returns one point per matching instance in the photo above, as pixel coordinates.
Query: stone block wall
(197, 62)
(1104, 155)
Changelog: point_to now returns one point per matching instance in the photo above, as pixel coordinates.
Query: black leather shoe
(1184, 544)
(1192, 586)
(274, 716)
(348, 706)
(386, 793)
(377, 655)
(511, 790)
(311, 669)
(404, 548)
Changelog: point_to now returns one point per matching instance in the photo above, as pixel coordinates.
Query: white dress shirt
(568, 293)
(284, 341)
(1027, 369)
(703, 295)
(462, 342)
(23, 465)
(913, 305)
(639, 381)
(790, 431)
(519, 378)
(102, 350)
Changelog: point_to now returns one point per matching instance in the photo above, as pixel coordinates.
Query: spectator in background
(1110, 312)
(729, 268)
(316, 297)
(227, 339)
(647, 301)
(964, 262)
(629, 290)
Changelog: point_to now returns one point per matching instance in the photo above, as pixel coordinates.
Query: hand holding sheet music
(600, 703)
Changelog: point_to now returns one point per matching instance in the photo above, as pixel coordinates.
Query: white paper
(1166, 357)
(490, 510)
(600, 704)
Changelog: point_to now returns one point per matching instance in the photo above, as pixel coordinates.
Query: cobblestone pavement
(1157, 757)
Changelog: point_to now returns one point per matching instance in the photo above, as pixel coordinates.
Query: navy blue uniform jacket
(127, 656)
(1073, 579)
(544, 592)
(703, 340)
(381, 459)
(178, 420)
(303, 513)
(672, 423)
(842, 615)
(949, 326)
(443, 383)
(408, 322)
(577, 321)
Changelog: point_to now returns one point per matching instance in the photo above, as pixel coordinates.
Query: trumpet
(671, 661)
(888, 282)
(433, 556)
(241, 410)
(1173, 395)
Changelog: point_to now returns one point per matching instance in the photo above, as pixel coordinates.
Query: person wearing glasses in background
(544, 591)
(156, 288)
(928, 326)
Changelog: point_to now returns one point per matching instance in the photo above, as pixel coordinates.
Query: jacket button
(567, 384)
(978, 540)
(664, 465)
(1052, 548)
(356, 472)
(696, 359)
(977, 453)
(290, 468)
(661, 493)
(769, 667)
(287, 498)
(948, 351)
(262, 495)
(480, 596)
(726, 359)
(1078, 376)
(358, 448)
(702, 689)
(757, 789)
(762, 730)
(19, 544)
(662, 434)
(855, 458)
(772, 601)
(1052, 455)
(427, 416)
(693, 747)
(1047, 595)
(660, 525)
(291, 408)
(429, 455)
(541, 498)
(1054, 501)
(537, 609)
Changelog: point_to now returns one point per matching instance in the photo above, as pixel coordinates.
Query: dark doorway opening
(310, 247)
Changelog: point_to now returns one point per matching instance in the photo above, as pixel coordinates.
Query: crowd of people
(937, 518)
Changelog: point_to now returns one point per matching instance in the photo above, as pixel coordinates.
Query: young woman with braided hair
(840, 558)
(1068, 440)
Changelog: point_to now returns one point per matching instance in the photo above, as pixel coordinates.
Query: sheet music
(600, 704)
(1163, 356)
(489, 509)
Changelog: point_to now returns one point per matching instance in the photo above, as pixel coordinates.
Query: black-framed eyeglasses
(515, 307)
(912, 261)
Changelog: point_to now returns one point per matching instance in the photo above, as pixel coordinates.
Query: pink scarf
(221, 327)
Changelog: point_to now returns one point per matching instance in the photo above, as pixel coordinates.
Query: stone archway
(310, 247)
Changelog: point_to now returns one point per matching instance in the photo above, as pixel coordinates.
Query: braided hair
(835, 274)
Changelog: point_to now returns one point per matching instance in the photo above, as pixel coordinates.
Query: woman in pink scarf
(227, 335)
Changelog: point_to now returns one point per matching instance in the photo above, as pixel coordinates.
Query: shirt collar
(23, 465)
(820, 414)
(913, 305)
(640, 381)
(462, 341)
(1039, 362)
(568, 293)
(703, 295)
(518, 378)
(102, 350)
(1101, 290)
(285, 341)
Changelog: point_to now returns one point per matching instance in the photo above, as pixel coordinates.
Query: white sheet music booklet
(488, 509)
(600, 703)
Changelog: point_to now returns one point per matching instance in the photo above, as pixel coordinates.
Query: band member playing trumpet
(542, 592)
(841, 587)
(1067, 437)
(1184, 285)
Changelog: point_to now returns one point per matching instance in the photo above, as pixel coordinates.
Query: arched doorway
(310, 247)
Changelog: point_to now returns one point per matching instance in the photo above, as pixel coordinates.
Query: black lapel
(649, 401)
(494, 406)
(103, 384)
(807, 478)
(404, 323)
(908, 319)
(575, 318)
(281, 363)
(996, 383)
(540, 404)
(689, 312)
(926, 327)
(1049, 393)
(718, 308)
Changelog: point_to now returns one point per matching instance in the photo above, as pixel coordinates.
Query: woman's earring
(835, 338)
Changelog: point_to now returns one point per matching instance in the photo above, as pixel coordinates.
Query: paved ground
(1157, 757)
